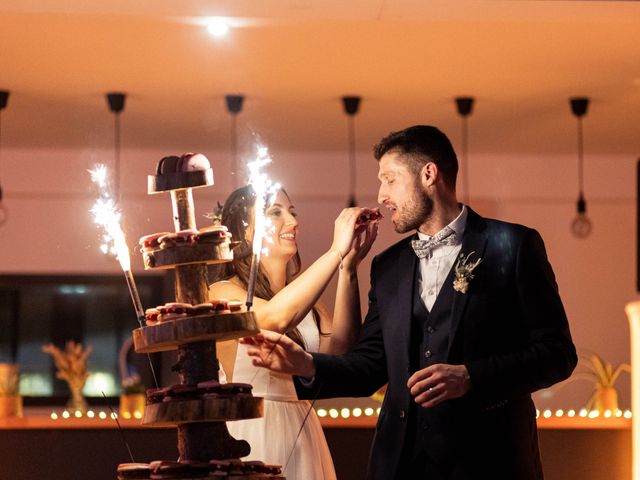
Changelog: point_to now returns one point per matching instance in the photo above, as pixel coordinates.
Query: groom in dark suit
(464, 323)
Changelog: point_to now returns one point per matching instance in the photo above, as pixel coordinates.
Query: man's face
(402, 193)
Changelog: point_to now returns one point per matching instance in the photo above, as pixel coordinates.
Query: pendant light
(464, 106)
(234, 107)
(351, 105)
(4, 99)
(581, 225)
(116, 100)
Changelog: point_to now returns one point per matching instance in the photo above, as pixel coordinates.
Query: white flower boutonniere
(464, 272)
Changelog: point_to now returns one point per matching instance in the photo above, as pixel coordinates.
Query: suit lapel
(474, 240)
(401, 278)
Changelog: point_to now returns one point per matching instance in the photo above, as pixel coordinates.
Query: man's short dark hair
(421, 144)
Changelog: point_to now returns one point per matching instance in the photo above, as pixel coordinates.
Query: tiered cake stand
(202, 431)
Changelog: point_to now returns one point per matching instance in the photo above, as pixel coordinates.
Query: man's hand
(437, 383)
(279, 353)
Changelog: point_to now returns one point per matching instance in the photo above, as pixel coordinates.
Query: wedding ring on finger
(430, 389)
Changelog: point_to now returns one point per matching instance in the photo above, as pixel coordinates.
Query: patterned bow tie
(423, 248)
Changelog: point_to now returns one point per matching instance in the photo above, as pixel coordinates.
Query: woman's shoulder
(227, 289)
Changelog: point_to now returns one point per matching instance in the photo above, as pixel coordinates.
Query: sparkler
(265, 190)
(107, 215)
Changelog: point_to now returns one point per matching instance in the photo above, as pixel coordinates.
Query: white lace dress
(273, 437)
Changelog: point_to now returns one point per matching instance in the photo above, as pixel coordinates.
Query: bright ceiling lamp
(218, 27)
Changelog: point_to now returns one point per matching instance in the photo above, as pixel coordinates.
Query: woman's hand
(344, 230)
(361, 245)
(279, 353)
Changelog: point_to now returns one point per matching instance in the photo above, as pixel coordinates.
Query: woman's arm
(289, 306)
(347, 317)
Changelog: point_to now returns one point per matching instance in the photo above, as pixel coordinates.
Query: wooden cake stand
(202, 431)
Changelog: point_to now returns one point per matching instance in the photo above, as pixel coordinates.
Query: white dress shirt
(435, 268)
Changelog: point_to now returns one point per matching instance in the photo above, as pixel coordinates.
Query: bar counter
(37, 446)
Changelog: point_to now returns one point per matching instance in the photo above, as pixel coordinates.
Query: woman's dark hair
(420, 144)
(238, 216)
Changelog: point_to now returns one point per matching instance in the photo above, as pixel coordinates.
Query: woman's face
(281, 240)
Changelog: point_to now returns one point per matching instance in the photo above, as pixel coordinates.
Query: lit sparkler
(265, 190)
(107, 216)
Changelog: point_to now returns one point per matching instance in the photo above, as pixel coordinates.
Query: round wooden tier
(170, 257)
(216, 409)
(179, 180)
(201, 328)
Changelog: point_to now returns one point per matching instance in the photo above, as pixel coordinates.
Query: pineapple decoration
(604, 376)
(71, 364)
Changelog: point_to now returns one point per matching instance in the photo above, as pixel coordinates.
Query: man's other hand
(437, 383)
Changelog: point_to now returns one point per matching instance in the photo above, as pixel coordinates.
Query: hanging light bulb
(581, 225)
(351, 106)
(234, 107)
(464, 105)
(4, 99)
(116, 105)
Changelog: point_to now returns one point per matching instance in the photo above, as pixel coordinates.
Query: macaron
(191, 162)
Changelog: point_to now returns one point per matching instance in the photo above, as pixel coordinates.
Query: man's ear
(429, 174)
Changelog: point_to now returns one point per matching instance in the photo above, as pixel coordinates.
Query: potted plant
(10, 399)
(603, 375)
(133, 398)
(71, 365)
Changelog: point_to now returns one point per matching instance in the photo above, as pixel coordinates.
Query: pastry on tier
(166, 249)
(177, 311)
(206, 401)
(174, 324)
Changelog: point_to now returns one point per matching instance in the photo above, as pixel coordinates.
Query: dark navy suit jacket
(509, 329)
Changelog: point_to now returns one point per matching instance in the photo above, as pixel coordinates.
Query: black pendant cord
(465, 163)
(0, 152)
(234, 152)
(116, 147)
(4, 214)
(352, 159)
(580, 161)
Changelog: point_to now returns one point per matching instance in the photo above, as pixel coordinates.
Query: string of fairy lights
(357, 412)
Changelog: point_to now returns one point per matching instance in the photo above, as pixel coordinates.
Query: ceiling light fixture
(234, 107)
(4, 99)
(464, 106)
(351, 106)
(116, 101)
(581, 225)
(218, 27)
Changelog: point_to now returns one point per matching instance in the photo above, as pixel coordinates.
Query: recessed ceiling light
(218, 27)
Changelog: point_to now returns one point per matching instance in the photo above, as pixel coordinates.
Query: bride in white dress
(290, 434)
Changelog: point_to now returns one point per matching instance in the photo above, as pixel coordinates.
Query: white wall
(48, 194)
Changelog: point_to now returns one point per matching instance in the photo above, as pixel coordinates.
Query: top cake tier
(191, 170)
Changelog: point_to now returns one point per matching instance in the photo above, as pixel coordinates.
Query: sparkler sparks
(265, 191)
(106, 215)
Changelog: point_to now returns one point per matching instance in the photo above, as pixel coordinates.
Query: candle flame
(107, 215)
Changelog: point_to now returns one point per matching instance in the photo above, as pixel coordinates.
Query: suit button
(430, 329)
(428, 353)
(425, 426)
(403, 413)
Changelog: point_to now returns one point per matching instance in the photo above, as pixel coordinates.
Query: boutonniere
(464, 272)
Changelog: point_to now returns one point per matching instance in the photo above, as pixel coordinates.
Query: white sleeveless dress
(273, 437)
